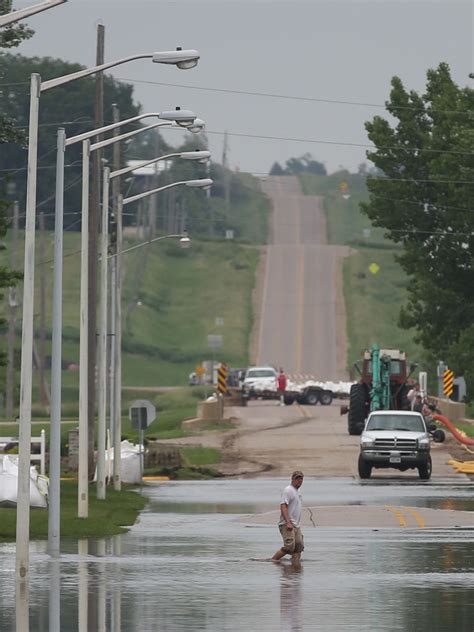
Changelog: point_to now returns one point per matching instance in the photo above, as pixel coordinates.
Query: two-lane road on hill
(301, 324)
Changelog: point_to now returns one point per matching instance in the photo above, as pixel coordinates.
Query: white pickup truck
(395, 439)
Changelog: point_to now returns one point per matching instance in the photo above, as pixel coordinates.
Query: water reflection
(291, 597)
(192, 567)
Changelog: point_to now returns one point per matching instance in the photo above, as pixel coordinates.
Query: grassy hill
(171, 300)
(373, 300)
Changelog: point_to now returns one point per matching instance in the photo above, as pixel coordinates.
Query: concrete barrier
(452, 410)
(209, 410)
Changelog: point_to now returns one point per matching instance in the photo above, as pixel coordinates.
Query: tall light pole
(21, 14)
(102, 372)
(180, 58)
(178, 116)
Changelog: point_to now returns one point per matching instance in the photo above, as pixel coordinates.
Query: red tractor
(383, 385)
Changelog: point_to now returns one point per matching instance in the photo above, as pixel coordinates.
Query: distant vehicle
(395, 439)
(193, 379)
(261, 383)
(260, 378)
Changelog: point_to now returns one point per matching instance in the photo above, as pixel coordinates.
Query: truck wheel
(358, 409)
(439, 435)
(365, 470)
(425, 470)
(311, 398)
(325, 398)
(288, 399)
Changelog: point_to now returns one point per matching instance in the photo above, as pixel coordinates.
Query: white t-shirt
(291, 497)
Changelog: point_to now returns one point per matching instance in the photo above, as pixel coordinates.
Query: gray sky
(337, 50)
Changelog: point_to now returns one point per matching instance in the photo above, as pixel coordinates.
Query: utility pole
(12, 307)
(115, 313)
(93, 250)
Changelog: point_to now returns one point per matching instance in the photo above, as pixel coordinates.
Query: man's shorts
(292, 539)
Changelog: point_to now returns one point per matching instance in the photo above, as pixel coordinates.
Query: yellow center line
(396, 512)
(418, 517)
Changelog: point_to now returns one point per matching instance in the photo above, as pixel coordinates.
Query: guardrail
(41, 457)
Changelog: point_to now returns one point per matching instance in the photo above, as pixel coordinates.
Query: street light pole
(26, 372)
(183, 59)
(56, 355)
(83, 478)
(21, 14)
(102, 372)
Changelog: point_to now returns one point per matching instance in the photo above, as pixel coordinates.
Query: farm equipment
(383, 385)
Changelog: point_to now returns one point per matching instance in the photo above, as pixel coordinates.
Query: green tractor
(383, 385)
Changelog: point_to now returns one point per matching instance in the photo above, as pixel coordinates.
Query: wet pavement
(192, 564)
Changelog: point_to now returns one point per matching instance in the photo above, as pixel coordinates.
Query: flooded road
(192, 563)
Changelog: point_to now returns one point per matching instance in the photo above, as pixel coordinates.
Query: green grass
(345, 222)
(373, 301)
(106, 517)
(467, 428)
(198, 456)
(171, 299)
(165, 337)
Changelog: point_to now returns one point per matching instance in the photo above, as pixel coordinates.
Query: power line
(290, 96)
(340, 143)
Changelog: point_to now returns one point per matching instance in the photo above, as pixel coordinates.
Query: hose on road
(457, 434)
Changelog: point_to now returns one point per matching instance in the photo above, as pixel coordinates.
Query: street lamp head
(203, 183)
(197, 126)
(183, 118)
(185, 242)
(183, 59)
(198, 154)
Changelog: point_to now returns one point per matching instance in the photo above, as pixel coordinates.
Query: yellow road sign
(374, 268)
(222, 372)
(448, 382)
(200, 370)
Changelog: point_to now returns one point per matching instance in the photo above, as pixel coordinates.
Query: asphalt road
(301, 324)
(314, 439)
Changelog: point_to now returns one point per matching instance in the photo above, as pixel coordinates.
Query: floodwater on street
(189, 565)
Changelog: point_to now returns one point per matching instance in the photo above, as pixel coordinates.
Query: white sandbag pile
(338, 388)
(129, 463)
(9, 483)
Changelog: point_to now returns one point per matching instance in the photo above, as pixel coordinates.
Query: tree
(424, 200)
(276, 170)
(305, 163)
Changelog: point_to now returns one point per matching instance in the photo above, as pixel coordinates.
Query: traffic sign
(222, 372)
(448, 382)
(141, 413)
(374, 268)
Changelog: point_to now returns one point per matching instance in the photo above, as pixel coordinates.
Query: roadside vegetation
(106, 518)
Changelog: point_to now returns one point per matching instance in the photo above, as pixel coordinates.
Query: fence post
(43, 453)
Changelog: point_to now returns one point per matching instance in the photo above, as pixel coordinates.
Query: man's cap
(297, 473)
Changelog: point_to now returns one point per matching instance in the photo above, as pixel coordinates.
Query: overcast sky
(335, 50)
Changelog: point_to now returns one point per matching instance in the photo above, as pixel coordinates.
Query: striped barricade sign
(448, 382)
(222, 372)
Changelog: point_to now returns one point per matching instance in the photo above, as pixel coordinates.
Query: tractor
(383, 385)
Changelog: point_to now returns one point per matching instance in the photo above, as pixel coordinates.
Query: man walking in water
(281, 383)
(290, 520)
